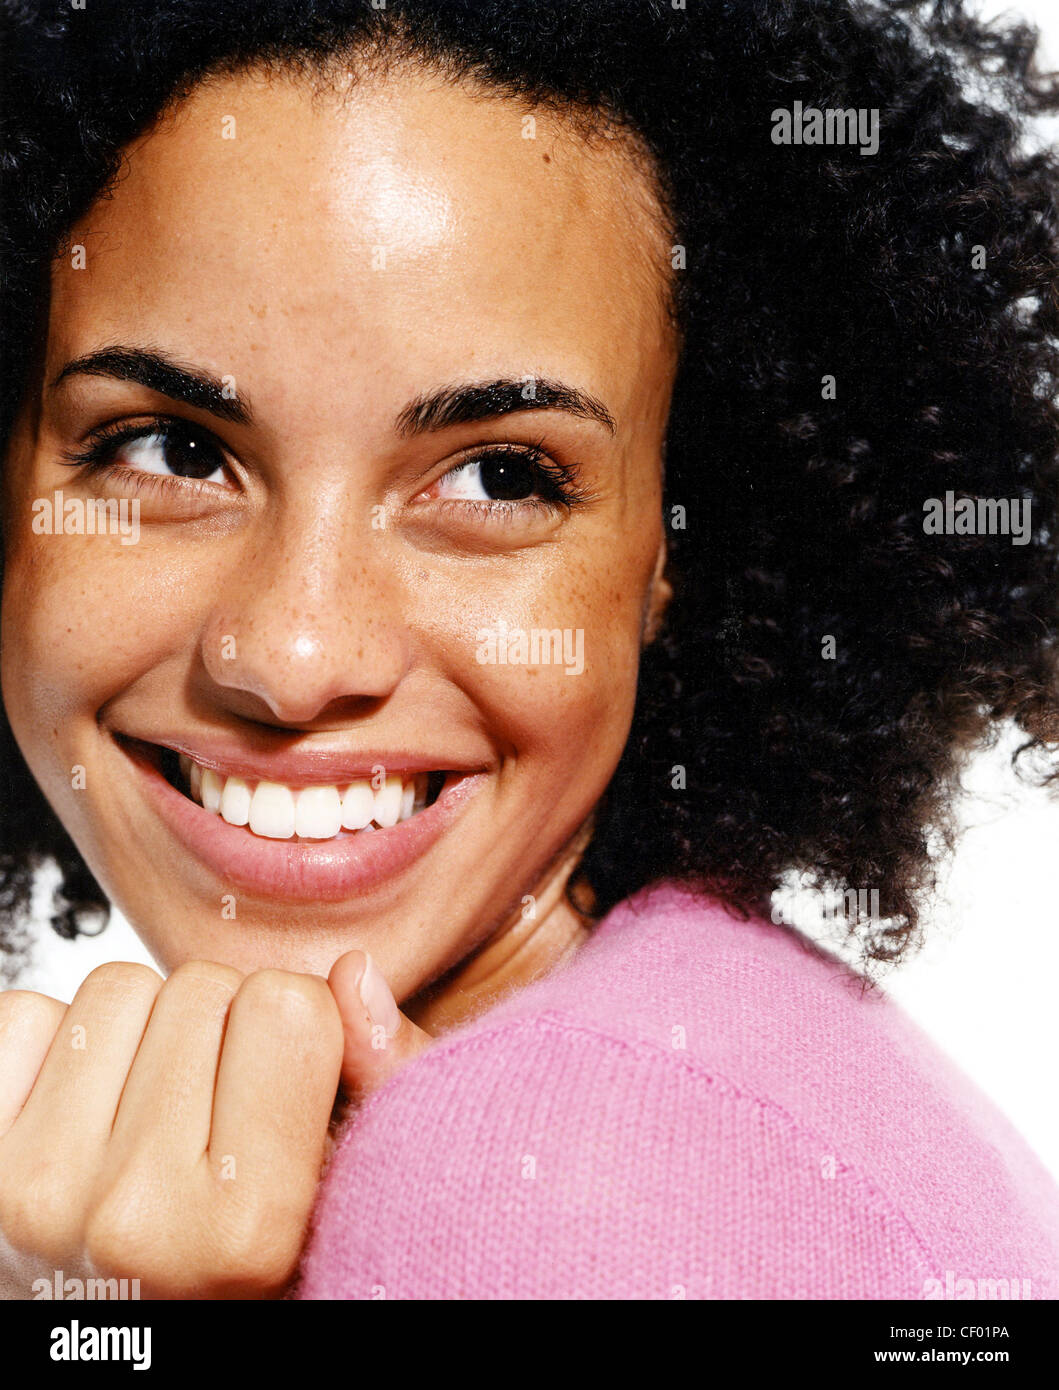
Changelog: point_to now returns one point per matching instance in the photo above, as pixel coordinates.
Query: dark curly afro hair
(923, 277)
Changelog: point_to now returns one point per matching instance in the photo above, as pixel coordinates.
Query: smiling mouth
(276, 811)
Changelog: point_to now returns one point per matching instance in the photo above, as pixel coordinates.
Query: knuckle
(122, 1240)
(205, 974)
(18, 1219)
(256, 1246)
(26, 1008)
(296, 996)
(123, 977)
(36, 1215)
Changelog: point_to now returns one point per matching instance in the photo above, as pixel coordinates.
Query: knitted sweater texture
(693, 1106)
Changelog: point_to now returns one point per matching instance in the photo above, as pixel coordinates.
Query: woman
(407, 659)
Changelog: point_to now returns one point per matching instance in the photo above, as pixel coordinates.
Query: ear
(659, 594)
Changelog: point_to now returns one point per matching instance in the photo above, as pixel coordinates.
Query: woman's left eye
(506, 476)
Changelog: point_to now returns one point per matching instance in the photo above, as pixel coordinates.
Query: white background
(984, 986)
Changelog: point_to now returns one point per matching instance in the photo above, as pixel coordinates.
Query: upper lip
(307, 766)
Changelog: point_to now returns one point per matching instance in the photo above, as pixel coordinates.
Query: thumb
(378, 1038)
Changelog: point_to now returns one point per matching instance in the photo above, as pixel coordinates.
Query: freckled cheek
(560, 736)
(566, 701)
(555, 659)
(79, 625)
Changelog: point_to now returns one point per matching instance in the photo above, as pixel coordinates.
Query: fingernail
(378, 1000)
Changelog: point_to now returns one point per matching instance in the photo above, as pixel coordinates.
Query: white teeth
(272, 811)
(318, 813)
(235, 801)
(279, 812)
(212, 789)
(388, 803)
(358, 806)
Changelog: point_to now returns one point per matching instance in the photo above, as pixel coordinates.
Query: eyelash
(558, 479)
(97, 457)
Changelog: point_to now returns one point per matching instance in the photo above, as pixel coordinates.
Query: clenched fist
(175, 1131)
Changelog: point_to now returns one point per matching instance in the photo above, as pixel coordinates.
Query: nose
(311, 615)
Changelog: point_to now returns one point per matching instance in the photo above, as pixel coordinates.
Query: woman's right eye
(174, 452)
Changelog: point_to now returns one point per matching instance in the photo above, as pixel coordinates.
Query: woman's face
(338, 547)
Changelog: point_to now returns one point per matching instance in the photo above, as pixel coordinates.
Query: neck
(535, 938)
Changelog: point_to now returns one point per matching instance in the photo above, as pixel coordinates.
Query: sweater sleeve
(541, 1158)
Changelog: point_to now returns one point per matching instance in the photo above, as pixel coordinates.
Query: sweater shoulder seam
(557, 1023)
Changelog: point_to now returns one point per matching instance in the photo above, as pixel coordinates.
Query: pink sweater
(694, 1106)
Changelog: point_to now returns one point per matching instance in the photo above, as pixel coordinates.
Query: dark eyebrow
(460, 405)
(160, 373)
(452, 405)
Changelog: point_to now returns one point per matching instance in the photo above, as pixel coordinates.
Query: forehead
(403, 224)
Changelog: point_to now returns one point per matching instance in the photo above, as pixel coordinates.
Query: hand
(377, 1038)
(171, 1132)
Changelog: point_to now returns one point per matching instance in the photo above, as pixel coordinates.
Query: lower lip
(294, 870)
